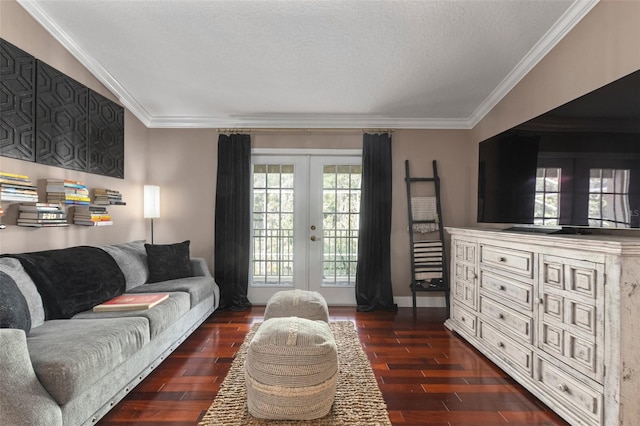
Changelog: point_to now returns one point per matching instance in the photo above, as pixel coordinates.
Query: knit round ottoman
(297, 303)
(291, 370)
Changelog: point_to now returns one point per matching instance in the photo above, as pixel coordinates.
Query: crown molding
(565, 24)
(561, 28)
(306, 121)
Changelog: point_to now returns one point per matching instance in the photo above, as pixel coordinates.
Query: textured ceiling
(309, 63)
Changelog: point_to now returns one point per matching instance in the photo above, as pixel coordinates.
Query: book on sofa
(131, 302)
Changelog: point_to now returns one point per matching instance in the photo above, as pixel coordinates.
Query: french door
(306, 212)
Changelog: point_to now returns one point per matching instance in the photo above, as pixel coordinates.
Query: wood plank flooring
(427, 375)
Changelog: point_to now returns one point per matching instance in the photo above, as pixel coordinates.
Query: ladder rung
(421, 179)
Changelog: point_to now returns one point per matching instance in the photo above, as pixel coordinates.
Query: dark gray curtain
(233, 218)
(373, 275)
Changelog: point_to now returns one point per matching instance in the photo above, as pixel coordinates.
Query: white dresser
(559, 313)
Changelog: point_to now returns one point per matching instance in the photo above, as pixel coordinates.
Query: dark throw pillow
(14, 311)
(74, 279)
(168, 261)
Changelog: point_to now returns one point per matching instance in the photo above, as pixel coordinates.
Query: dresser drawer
(506, 348)
(509, 290)
(505, 259)
(584, 400)
(466, 320)
(507, 320)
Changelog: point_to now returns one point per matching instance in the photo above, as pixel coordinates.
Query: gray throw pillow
(168, 261)
(132, 260)
(14, 312)
(14, 269)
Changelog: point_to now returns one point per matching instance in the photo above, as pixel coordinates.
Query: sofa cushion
(132, 260)
(160, 317)
(199, 288)
(69, 356)
(168, 261)
(14, 311)
(73, 279)
(14, 269)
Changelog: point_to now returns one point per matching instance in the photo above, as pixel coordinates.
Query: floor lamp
(151, 204)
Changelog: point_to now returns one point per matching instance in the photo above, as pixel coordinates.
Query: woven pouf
(291, 370)
(297, 303)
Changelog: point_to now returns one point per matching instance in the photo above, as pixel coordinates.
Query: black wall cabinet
(48, 117)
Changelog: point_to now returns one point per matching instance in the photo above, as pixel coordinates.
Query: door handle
(314, 238)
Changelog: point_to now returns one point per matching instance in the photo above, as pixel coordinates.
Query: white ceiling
(309, 63)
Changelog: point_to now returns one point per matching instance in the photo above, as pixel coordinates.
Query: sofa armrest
(200, 268)
(24, 401)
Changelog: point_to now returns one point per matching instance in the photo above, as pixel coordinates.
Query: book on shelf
(104, 196)
(93, 223)
(93, 217)
(16, 176)
(42, 215)
(131, 302)
(68, 201)
(53, 220)
(23, 191)
(91, 208)
(65, 190)
(7, 196)
(40, 207)
(66, 182)
(42, 225)
(17, 185)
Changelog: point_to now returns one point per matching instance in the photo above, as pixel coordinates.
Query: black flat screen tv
(575, 167)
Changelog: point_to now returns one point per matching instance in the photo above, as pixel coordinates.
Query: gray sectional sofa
(63, 364)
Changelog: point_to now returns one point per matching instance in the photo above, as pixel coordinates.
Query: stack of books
(14, 187)
(67, 191)
(91, 215)
(103, 196)
(41, 215)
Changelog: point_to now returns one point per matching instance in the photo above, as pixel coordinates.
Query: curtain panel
(232, 221)
(373, 274)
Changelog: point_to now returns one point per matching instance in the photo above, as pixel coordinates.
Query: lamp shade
(151, 201)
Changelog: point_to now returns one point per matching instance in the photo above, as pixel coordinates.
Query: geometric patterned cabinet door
(61, 120)
(17, 102)
(106, 136)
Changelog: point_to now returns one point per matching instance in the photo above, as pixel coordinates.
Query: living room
(601, 48)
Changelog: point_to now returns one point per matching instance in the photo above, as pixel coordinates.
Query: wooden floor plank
(427, 375)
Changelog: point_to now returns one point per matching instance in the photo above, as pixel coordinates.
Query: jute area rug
(358, 400)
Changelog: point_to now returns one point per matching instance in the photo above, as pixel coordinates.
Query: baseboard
(421, 301)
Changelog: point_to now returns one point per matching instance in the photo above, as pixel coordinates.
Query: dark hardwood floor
(427, 375)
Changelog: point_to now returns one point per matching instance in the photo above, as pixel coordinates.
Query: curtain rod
(314, 130)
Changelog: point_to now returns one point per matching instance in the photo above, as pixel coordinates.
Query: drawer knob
(501, 316)
(502, 288)
(502, 259)
(463, 319)
(563, 388)
(541, 301)
(501, 345)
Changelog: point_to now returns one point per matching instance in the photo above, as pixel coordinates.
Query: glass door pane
(335, 220)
